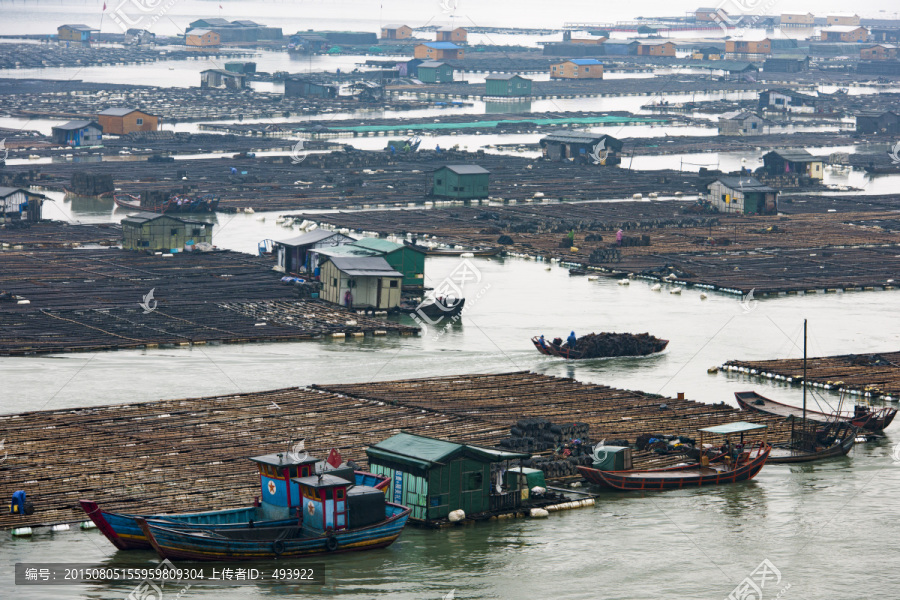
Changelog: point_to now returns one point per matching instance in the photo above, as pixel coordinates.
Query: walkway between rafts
(168, 455)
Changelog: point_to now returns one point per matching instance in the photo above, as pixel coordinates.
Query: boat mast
(804, 374)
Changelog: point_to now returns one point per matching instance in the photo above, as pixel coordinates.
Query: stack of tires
(538, 435)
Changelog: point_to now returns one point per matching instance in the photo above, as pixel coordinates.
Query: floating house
(293, 255)
(242, 30)
(303, 87)
(439, 51)
(367, 282)
(461, 181)
(741, 48)
(432, 71)
(241, 67)
(163, 232)
(786, 65)
(396, 32)
(842, 19)
(591, 147)
(742, 122)
(709, 15)
(885, 34)
(798, 162)
(222, 79)
(577, 68)
(408, 260)
(202, 38)
(879, 52)
(435, 477)
(787, 100)
(798, 20)
(742, 195)
(75, 33)
(457, 35)
(507, 85)
(880, 121)
(654, 48)
(78, 133)
(20, 204)
(845, 33)
(122, 121)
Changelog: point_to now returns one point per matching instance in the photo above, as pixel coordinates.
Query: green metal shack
(461, 181)
(432, 71)
(406, 259)
(507, 85)
(434, 477)
(163, 232)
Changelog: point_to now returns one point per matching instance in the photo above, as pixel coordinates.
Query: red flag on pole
(104, 6)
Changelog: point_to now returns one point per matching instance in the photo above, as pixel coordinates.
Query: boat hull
(562, 351)
(123, 531)
(675, 478)
(185, 545)
(873, 420)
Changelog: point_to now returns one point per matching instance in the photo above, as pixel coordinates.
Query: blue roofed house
(439, 51)
(78, 133)
(577, 68)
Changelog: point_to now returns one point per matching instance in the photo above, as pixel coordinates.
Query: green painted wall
(442, 74)
(449, 184)
(410, 263)
(508, 87)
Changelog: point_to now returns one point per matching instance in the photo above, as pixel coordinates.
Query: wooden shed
(408, 260)
(360, 282)
(20, 204)
(742, 195)
(396, 32)
(589, 147)
(797, 162)
(457, 35)
(122, 121)
(77, 133)
(163, 232)
(439, 51)
(577, 68)
(461, 181)
(435, 477)
(845, 33)
(202, 38)
(507, 85)
(878, 121)
(75, 33)
(222, 79)
(742, 122)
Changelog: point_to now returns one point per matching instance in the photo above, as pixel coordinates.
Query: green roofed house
(432, 71)
(406, 259)
(507, 85)
(435, 477)
(461, 181)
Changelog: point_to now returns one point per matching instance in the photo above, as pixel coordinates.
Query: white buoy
(88, 525)
(538, 490)
(539, 513)
(675, 290)
(624, 282)
(249, 211)
(22, 531)
(655, 288)
(703, 296)
(60, 527)
(593, 278)
(456, 515)
(467, 255)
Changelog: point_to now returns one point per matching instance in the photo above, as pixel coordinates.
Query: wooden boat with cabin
(723, 468)
(335, 517)
(862, 416)
(276, 506)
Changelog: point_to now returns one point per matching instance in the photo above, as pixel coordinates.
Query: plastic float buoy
(456, 515)
(539, 513)
(655, 288)
(675, 290)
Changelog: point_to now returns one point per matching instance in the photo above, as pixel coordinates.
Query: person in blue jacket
(571, 340)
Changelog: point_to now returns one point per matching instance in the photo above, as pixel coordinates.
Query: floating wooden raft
(168, 455)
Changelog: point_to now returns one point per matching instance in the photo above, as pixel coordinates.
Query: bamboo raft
(89, 300)
(161, 456)
(875, 375)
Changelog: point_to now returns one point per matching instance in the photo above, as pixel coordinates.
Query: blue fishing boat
(276, 506)
(336, 517)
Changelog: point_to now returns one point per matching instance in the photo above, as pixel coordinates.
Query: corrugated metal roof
(465, 169)
(796, 155)
(431, 64)
(362, 266)
(9, 191)
(504, 77)
(745, 183)
(377, 244)
(198, 32)
(310, 237)
(140, 220)
(442, 45)
(430, 450)
(584, 61)
(117, 112)
(394, 26)
(73, 125)
(79, 27)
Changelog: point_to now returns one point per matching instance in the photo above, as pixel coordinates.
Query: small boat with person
(601, 345)
(733, 464)
(276, 506)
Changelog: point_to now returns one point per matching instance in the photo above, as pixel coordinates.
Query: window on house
(144, 243)
(394, 283)
(438, 182)
(173, 232)
(195, 232)
(474, 480)
(140, 121)
(334, 282)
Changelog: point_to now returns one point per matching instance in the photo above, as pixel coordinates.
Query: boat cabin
(727, 430)
(277, 472)
(325, 505)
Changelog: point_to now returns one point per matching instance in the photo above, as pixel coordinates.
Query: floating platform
(162, 456)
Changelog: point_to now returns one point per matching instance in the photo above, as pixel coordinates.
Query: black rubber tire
(331, 543)
(278, 547)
